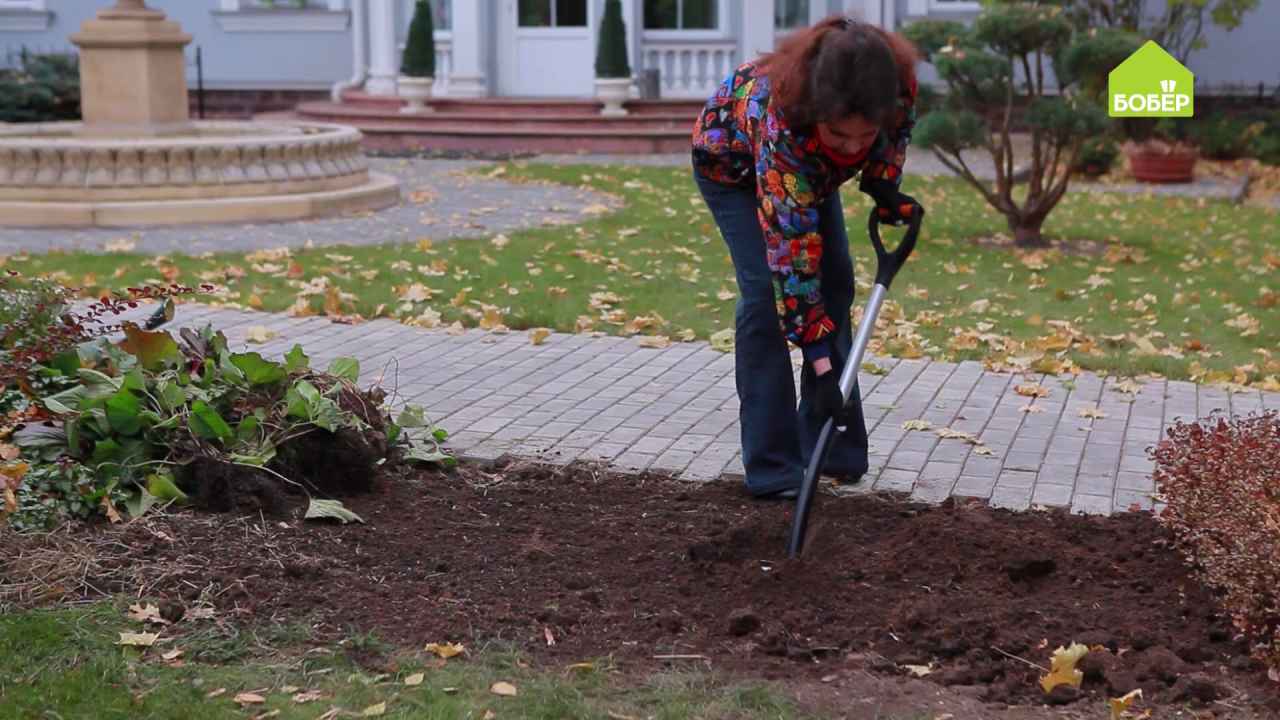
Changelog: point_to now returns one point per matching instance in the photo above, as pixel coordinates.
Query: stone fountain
(137, 158)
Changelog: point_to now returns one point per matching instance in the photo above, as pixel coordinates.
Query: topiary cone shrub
(1004, 61)
(611, 57)
(419, 59)
(1221, 482)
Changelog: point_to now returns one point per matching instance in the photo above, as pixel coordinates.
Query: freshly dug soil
(638, 567)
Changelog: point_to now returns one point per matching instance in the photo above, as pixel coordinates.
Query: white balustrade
(689, 68)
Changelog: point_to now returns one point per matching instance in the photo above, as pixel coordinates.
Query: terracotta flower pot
(1161, 163)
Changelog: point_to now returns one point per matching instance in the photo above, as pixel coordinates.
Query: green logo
(1150, 83)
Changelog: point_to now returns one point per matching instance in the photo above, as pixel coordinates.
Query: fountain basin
(52, 174)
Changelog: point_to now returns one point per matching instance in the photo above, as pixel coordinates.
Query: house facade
(534, 48)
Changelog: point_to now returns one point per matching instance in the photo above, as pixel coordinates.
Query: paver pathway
(675, 410)
(440, 199)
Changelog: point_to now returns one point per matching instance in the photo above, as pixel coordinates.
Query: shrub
(1221, 482)
(1097, 156)
(993, 66)
(41, 88)
(40, 327)
(419, 59)
(1222, 137)
(1265, 146)
(611, 57)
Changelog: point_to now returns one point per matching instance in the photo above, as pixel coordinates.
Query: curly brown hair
(838, 68)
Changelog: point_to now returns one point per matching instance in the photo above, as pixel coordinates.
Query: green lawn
(65, 664)
(1180, 287)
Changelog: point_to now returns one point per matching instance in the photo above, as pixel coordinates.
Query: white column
(467, 78)
(757, 29)
(384, 66)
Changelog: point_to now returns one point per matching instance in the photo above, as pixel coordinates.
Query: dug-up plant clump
(106, 427)
(1221, 481)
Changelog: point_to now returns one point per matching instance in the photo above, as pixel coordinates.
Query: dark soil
(638, 567)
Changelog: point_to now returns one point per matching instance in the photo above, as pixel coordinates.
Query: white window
(553, 13)
(921, 8)
(792, 14)
(682, 15)
(282, 15)
(24, 16)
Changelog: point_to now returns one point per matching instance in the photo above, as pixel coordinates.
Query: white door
(546, 48)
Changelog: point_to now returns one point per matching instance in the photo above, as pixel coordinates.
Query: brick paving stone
(1091, 504)
(1051, 495)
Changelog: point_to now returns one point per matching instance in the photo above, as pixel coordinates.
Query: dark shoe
(788, 494)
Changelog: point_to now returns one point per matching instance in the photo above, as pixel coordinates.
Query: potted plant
(613, 70)
(418, 65)
(1160, 154)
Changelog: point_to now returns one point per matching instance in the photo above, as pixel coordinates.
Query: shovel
(887, 266)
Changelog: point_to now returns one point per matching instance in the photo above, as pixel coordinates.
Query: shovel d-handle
(889, 263)
(887, 266)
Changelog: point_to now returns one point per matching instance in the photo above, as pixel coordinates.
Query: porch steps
(512, 125)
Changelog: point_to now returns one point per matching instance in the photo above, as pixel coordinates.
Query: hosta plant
(165, 419)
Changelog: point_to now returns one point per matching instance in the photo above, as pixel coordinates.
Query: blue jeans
(778, 438)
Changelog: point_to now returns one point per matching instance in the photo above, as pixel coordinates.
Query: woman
(770, 152)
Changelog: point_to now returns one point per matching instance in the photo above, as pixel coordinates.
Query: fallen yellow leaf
(655, 341)
(415, 679)
(1063, 667)
(375, 710)
(537, 336)
(723, 340)
(504, 689)
(1031, 390)
(446, 650)
(1092, 412)
(1119, 705)
(148, 613)
(259, 334)
(307, 696)
(143, 639)
(248, 698)
(921, 425)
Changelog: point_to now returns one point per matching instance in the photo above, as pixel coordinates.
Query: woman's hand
(828, 401)
(898, 211)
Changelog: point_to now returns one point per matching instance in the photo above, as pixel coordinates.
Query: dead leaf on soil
(445, 650)
(505, 689)
(172, 655)
(415, 679)
(215, 693)
(582, 667)
(919, 670)
(1063, 667)
(307, 696)
(375, 710)
(1120, 705)
(148, 613)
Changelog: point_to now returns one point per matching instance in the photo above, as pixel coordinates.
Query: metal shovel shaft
(848, 377)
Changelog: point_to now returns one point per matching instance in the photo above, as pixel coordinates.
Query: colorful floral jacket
(741, 140)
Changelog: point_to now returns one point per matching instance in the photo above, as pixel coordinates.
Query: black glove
(893, 206)
(827, 400)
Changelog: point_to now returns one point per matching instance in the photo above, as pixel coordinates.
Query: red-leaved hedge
(1221, 482)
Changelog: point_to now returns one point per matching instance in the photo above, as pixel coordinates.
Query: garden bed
(637, 568)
